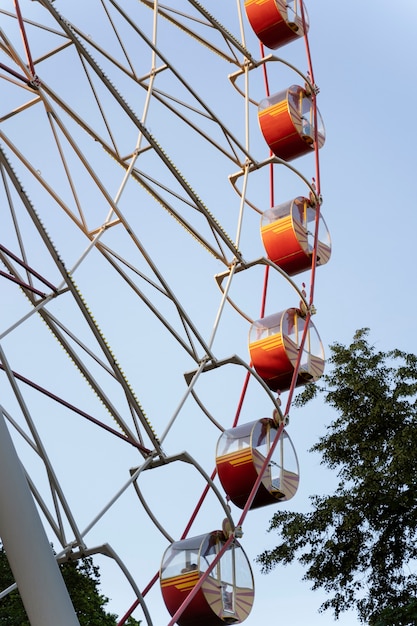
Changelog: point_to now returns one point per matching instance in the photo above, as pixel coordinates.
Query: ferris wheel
(142, 244)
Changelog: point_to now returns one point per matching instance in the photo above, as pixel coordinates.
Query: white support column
(30, 555)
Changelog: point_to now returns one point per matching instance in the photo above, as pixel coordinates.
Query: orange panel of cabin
(284, 242)
(271, 361)
(272, 24)
(238, 474)
(287, 233)
(174, 592)
(286, 122)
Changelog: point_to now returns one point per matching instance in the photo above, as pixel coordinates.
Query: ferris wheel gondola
(226, 590)
(240, 458)
(288, 234)
(288, 123)
(275, 348)
(276, 22)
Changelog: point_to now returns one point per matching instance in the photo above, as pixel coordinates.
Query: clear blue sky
(363, 57)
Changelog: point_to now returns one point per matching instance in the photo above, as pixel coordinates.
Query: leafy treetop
(359, 543)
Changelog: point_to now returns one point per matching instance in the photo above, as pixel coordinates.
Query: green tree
(359, 543)
(82, 579)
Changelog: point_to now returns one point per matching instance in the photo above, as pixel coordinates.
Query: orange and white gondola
(276, 22)
(274, 345)
(288, 123)
(287, 233)
(240, 457)
(227, 593)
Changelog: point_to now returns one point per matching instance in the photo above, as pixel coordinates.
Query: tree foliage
(82, 579)
(359, 543)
